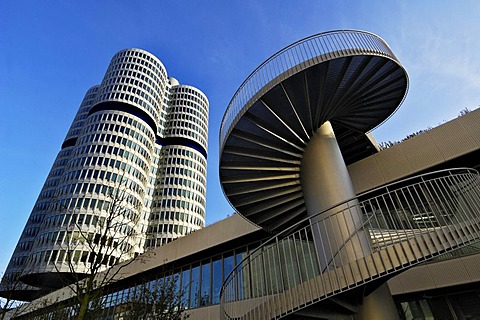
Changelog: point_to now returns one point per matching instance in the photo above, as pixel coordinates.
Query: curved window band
(183, 142)
(125, 107)
(69, 143)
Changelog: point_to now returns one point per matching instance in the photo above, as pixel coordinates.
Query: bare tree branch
(111, 242)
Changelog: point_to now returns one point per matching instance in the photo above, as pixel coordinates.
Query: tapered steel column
(378, 305)
(325, 182)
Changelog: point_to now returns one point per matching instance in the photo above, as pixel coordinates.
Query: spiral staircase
(286, 139)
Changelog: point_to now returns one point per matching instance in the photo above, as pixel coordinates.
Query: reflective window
(194, 287)
(205, 294)
(185, 283)
(228, 264)
(216, 280)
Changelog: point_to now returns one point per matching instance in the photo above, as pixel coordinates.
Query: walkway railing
(404, 223)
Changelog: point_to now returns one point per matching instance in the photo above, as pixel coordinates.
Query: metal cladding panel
(437, 275)
(422, 152)
(393, 164)
(448, 141)
(453, 140)
(448, 273)
(472, 265)
(365, 174)
(412, 280)
(471, 122)
(395, 285)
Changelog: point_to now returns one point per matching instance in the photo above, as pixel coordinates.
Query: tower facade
(130, 175)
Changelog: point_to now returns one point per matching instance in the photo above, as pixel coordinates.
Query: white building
(140, 134)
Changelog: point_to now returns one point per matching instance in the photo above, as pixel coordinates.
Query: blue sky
(51, 52)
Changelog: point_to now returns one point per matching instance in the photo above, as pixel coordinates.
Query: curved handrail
(435, 182)
(300, 55)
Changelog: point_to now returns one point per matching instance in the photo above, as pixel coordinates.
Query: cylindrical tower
(131, 175)
(101, 192)
(178, 205)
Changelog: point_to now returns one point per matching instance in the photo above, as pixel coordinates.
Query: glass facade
(199, 281)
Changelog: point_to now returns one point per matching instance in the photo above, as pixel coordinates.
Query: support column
(378, 305)
(326, 182)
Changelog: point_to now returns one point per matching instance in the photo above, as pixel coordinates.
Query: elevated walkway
(405, 223)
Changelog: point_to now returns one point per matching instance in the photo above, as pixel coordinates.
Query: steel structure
(286, 139)
(406, 222)
(350, 78)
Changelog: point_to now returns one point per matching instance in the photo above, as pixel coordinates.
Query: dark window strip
(169, 141)
(125, 107)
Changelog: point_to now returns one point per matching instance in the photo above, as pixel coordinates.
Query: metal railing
(404, 223)
(296, 57)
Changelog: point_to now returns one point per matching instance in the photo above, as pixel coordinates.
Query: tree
(162, 299)
(108, 238)
(51, 310)
(463, 112)
(10, 284)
